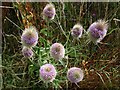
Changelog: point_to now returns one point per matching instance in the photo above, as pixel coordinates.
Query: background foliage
(101, 66)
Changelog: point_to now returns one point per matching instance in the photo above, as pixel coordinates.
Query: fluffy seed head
(77, 31)
(29, 37)
(57, 51)
(47, 73)
(75, 75)
(97, 31)
(49, 11)
(27, 52)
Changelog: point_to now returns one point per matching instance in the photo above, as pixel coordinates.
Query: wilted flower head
(57, 51)
(49, 11)
(97, 31)
(47, 73)
(77, 31)
(29, 37)
(27, 52)
(75, 75)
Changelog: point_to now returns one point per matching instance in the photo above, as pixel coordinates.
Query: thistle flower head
(27, 52)
(49, 11)
(75, 75)
(97, 31)
(47, 73)
(29, 37)
(77, 31)
(57, 51)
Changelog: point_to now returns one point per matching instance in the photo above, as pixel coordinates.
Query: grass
(101, 66)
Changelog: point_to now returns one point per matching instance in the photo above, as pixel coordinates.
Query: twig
(6, 7)
(102, 79)
(115, 19)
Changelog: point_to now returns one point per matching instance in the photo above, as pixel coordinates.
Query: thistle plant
(57, 51)
(76, 31)
(47, 72)
(100, 65)
(75, 75)
(49, 12)
(27, 52)
(97, 31)
(29, 37)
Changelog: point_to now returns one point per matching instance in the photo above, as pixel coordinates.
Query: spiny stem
(13, 23)
(60, 26)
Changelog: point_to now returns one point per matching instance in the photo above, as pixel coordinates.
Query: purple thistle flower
(49, 11)
(57, 51)
(93, 14)
(47, 72)
(75, 75)
(97, 31)
(27, 52)
(77, 31)
(29, 37)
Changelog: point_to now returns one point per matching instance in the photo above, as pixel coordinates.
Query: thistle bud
(97, 31)
(27, 52)
(49, 11)
(75, 75)
(57, 51)
(29, 37)
(77, 31)
(47, 73)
